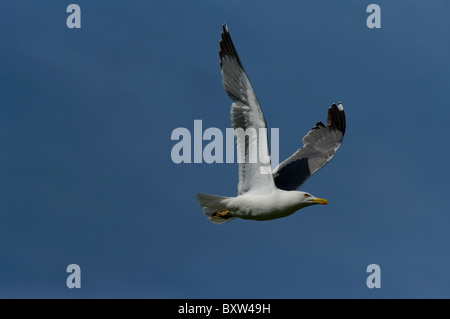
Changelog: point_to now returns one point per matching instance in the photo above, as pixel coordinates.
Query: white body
(276, 204)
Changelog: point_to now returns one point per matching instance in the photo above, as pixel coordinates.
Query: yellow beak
(320, 201)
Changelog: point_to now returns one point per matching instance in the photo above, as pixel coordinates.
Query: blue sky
(87, 178)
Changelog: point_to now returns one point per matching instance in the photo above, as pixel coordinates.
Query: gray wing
(255, 172)
(320, 145)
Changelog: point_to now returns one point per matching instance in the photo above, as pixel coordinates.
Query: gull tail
(215, 208)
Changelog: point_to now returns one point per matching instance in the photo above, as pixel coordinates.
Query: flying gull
(263, 196)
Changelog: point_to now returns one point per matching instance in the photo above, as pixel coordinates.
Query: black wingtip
(336, 117)
(227, 47)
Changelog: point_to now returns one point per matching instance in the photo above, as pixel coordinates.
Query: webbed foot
(225, 214)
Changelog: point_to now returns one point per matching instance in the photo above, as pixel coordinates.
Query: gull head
(307, 199)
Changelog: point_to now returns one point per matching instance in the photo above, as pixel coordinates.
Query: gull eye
(307, 195)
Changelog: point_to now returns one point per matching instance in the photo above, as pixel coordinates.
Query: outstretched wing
(320, 145)
(255, 173)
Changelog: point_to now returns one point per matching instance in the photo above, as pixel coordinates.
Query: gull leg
(225, 214)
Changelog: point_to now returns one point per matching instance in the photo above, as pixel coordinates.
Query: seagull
(263, 194)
